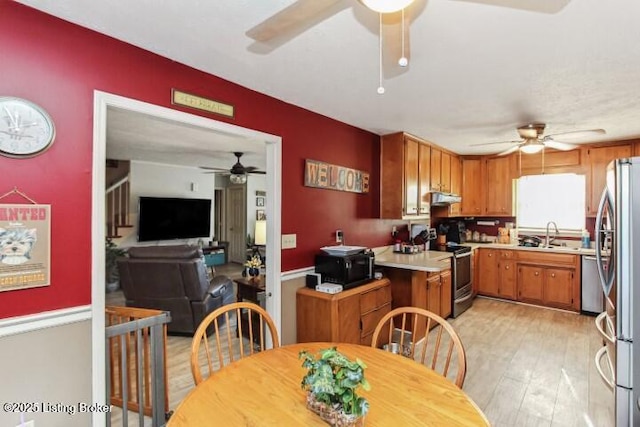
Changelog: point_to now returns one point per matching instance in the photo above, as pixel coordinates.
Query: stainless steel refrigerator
(617, 238)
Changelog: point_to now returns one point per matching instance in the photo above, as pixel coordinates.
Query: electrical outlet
(29, 423)
(288, 241)
(339, 236)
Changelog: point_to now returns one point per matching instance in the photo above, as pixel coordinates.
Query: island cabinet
(597, 160)
(549, 279)
(471, 187)
(405, 177)
(497, 273)
(350, 316)
(428, 290)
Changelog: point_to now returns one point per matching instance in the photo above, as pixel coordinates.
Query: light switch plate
(288, 241)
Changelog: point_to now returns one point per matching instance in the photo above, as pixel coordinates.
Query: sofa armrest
(219, 286)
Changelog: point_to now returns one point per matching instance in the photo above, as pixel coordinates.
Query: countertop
(432, 261)
(553, 249)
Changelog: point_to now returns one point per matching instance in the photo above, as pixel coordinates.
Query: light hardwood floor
(526, 366)
(530, 366)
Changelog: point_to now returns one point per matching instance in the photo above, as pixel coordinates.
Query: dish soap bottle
(586, 239)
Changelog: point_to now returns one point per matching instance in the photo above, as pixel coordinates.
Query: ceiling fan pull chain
(403, 61)
(380, 87)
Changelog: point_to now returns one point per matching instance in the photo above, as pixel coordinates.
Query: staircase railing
(117, 203)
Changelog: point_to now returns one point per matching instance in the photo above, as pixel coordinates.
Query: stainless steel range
(461, 292)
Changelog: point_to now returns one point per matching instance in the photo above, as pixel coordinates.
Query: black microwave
(346, 270)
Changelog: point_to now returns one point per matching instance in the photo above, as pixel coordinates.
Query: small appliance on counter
(347, 267)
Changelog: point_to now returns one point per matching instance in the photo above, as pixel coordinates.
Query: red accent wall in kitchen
(58, 65)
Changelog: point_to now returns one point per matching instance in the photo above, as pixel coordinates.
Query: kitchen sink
(559, 248)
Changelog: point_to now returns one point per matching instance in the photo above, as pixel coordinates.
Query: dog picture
(16, 245)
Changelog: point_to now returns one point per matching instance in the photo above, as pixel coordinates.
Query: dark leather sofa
(174, 279)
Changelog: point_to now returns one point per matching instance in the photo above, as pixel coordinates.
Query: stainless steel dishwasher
(592, 293)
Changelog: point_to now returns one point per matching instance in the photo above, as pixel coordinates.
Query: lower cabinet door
(558, 287)
(530, 284)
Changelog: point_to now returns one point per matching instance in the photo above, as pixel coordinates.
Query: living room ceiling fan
(238, 172)
(533, 140)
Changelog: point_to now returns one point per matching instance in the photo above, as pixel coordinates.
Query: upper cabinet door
(471, 188)
(598, 159)
(456, 178)
(411, 153)
(445, 173)
(424, 179)
(499, 186)
(436, 167)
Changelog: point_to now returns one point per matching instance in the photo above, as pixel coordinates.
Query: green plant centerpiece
(331, 381)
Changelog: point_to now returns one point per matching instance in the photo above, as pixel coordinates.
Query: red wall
(58, 66)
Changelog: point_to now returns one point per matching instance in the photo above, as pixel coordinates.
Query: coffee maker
(457, 231)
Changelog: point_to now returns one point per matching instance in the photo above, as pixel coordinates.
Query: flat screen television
(167, 218)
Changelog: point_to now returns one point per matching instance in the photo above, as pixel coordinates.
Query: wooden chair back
(236, 330)
(425, 337)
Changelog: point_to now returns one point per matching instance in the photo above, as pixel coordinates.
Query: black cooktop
(452, 247)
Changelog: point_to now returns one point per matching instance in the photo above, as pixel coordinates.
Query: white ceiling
(479, 68)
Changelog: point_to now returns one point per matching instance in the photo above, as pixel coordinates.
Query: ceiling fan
(533, 140)
(238, 172)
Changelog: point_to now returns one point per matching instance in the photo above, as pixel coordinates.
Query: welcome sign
(333, 177)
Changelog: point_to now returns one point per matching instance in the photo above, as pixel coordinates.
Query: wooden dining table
(265, 390)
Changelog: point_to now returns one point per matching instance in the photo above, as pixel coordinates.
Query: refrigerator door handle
(606, 282)
(610, 382)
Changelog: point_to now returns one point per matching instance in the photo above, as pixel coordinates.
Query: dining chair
(233, 331)
(425, 337)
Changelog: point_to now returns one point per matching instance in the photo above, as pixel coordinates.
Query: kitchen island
(419, 280)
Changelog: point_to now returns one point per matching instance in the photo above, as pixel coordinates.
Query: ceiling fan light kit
(238, 178)
(532, 147)
(386, 6)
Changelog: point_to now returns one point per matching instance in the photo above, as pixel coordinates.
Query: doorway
(103, 102)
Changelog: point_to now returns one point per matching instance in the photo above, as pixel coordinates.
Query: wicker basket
(331, 415)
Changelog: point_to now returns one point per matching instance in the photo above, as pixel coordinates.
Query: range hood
(444, 199)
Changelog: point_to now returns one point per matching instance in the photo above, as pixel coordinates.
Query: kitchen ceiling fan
(238, 172)
(533, 140)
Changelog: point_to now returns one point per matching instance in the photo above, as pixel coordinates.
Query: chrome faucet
(548, 241)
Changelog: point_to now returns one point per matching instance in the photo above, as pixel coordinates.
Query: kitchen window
(552, 197)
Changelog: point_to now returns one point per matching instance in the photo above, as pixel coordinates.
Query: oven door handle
(462, 255)
(610, 382)
(463, 299)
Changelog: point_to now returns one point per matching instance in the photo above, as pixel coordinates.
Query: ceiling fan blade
(288, 19)
(551, 143)
(257, 172)
(495, 143)
(577, 134)
(541, 6)
(214, 169)
(509, 151)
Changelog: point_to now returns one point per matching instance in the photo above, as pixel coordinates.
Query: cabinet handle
(536, 273)
(553, 274)
(506, 267)
(490, 254)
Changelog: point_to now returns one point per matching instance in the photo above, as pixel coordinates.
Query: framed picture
(259, 201)
(260, 215)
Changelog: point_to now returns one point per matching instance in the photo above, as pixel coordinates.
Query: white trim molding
(46, 319)
(295, 274)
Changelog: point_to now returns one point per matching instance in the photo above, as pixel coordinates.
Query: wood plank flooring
(530, 366)
(526, 366)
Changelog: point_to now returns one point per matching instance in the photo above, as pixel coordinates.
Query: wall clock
(26, 129)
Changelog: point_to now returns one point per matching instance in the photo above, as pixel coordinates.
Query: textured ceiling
(479, 68)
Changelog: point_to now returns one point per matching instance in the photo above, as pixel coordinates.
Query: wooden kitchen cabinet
(498, 186)
(549, 279)
(349, 316)
(455, 209)
(530, 287)
(429, 290)
(597, 160)
(471, 187)
(497, 273)
(404, 176)
(440, 170)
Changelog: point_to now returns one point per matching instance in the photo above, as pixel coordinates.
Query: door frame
(273, 144)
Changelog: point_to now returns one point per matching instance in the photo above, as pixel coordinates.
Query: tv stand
(209, 251)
